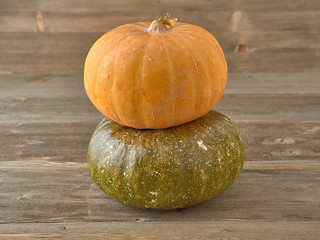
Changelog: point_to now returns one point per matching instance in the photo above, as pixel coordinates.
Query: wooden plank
(66, 142)
(292, 61)
(43, 63)
(270, 108)
(52, 43)
(213, 22)
(50, 110)
(80, 43)
(65, 53)
(60, 142)
(255, 62)
(48, 86)
(163, 5)
(45, 191)
(273, 83)
(104, 20)
(221, 230)
(240, 108)
(62, 99)
(283, 141)
(17, 21)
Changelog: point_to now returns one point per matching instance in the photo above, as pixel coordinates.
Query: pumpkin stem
(160, 25)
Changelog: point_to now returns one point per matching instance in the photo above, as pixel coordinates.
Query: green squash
(169, 168)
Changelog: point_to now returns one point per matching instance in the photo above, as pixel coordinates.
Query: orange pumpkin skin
(153, 80)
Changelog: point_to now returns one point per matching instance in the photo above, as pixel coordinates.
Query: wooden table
(46, 121)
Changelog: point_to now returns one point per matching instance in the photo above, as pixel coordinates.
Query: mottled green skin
(169, 168)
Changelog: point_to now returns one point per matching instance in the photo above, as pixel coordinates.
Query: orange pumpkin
(155, 76)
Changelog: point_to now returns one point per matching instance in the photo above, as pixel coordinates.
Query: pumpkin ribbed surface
(166, 169)
(154, 80)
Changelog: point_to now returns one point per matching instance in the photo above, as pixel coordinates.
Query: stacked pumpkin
(160, 145)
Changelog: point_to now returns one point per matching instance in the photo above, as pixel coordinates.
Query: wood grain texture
(60, 142)
(220, 230)
(212, 20)
(238, 83)
(65, 192)
(44, 176)
(179, 5)
(46, 121)
(40, 99)
(56, 42)
(65, 53)
(256, 62)
(80, 43)
(240, 108)
(273, 83)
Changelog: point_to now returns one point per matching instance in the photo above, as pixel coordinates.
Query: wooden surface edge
(180, 230)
